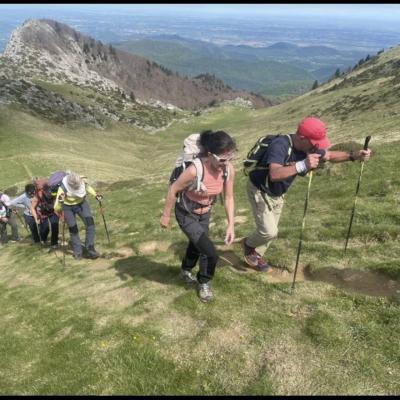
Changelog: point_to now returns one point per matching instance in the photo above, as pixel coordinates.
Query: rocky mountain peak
(55, 52)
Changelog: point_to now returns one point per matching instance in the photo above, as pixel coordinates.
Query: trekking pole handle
(367, 139)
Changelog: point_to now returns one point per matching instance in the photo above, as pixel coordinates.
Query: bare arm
(34, 203)
(340, 156)
(278, 172)
(184, 180)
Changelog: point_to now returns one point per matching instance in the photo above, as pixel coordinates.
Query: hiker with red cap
(285, 157)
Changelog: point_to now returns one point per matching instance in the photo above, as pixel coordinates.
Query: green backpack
(256, 153)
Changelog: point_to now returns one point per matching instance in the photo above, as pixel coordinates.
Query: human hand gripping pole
(367, 139)
(99, 197)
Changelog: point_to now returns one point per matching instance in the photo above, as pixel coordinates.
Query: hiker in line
(7, 217)
(24, 201)
(42, 210)
(285, 157)
(71, 199)
(192, 210)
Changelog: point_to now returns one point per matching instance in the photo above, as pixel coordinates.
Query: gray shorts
(192, 225)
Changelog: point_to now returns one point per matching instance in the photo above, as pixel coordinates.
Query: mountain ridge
(54, 50)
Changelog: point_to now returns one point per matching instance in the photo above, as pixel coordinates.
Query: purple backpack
(55, 180)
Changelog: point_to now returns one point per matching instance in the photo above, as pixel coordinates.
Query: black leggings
(204, 250)
(200, 246)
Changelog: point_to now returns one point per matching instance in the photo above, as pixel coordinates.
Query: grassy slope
(124, 324)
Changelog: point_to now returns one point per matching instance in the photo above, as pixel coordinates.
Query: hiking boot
(53, 247)
(78, 257)
(204, 292)
(187, 277)
(92, 253)
(262, 265)
(14, 240)
(251, 257)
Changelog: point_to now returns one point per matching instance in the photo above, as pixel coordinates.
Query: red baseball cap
(315, 131)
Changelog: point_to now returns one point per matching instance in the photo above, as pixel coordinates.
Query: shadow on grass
(364, 282)
(226, 257)
(144, 267)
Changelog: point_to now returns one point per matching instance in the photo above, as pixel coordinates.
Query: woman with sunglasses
(193, 210)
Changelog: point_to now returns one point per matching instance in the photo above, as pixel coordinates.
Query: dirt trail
(365, 282)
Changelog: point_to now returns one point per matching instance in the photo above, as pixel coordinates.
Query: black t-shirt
(277, 153)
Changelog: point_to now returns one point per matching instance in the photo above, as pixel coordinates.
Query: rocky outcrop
(45, 103)
(91, 110)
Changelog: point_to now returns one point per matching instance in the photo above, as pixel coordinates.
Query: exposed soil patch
(63, 333)
(175, 326)
(149, 248)
(116, 299)
(365, 282)
(121, 253)
(237, 264)
(240, 219)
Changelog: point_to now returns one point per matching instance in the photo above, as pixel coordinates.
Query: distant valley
(275, 71)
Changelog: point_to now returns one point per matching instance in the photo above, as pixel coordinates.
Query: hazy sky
(358, 11)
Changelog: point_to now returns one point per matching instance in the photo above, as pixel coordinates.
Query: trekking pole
(22, 222)
(367, 139)
(104, 220)
(63, 242)
(302, 229)
(40, 236)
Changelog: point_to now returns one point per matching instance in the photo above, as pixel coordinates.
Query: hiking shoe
(92, 253)
(251, 257)
(247, 249)
(262, 265)
(204, 292)
(187, 277)
(78, 257)
(53, 247)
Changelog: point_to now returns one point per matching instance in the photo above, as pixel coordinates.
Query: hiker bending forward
(193, 207)
(71, 199)
(286, 157)
(42, 210)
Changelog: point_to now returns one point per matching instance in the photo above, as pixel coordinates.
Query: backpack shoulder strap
(226, 174)
(62, 186)
(199, 172)
(290, 149)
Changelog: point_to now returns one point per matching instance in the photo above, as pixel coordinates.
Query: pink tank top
(214, 182)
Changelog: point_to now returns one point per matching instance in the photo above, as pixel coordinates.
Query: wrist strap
(300, 166)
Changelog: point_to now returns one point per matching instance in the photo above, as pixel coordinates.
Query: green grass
(124, 324)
